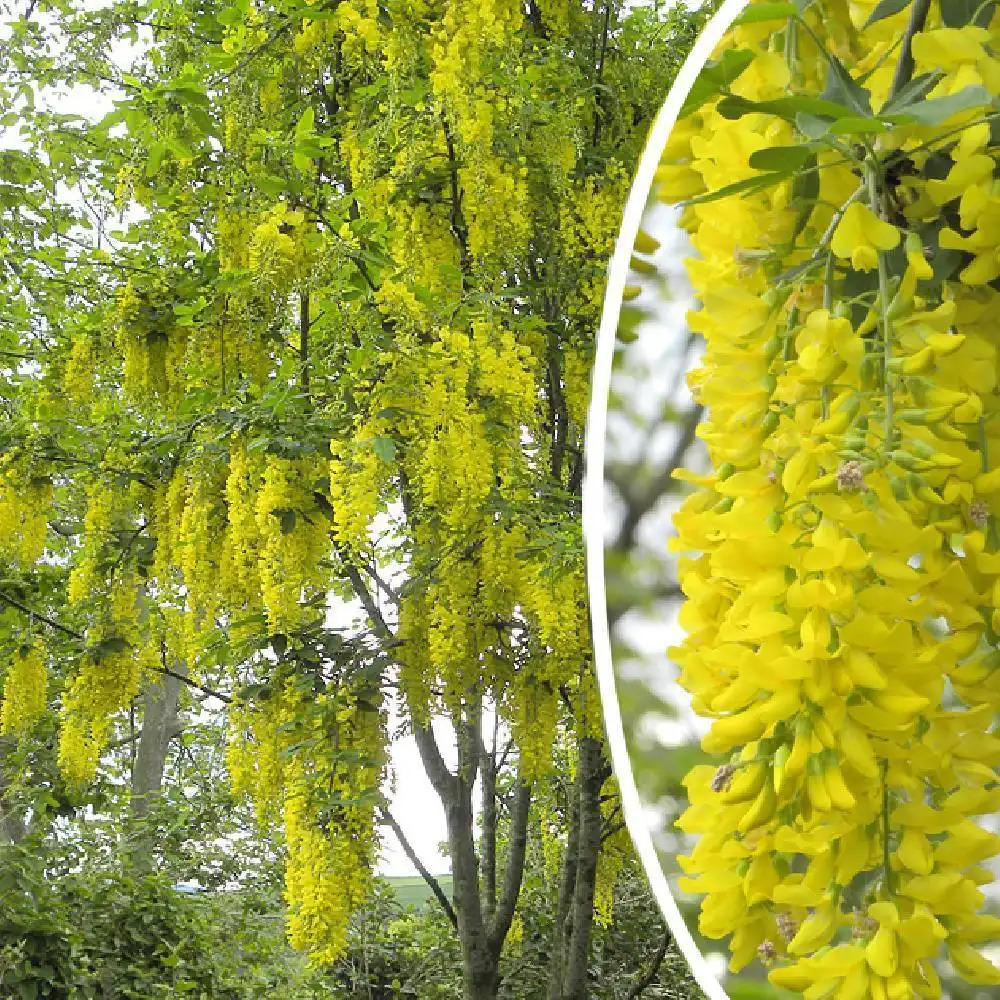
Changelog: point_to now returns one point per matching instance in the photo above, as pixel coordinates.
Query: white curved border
(593, 487)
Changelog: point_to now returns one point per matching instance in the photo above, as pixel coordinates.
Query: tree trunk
(568, 964)
(13, 827)
(480, 969)
(159, 726)
(567, 883)
(480, 973)
(593, 773)
(484, 918)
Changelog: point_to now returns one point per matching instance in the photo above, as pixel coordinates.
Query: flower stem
(886, 865)
(904, 68)
(871, 180)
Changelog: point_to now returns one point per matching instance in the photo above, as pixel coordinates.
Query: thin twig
(904, 68)
(646, 980)
(389, 820)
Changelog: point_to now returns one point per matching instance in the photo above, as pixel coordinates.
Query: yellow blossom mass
(840, 562)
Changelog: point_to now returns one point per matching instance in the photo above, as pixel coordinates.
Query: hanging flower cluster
(24, 690)
(841, 559)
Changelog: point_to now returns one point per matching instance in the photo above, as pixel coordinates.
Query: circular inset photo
(792, 523)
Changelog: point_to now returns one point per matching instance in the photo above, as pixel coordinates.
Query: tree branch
(598, 103)
(304, 325)
(51, 622)
(251, 55)
(444, 782)
(80, 637)
(646, 979)
(904, 68)
(637, 507)
(389, 820)
(517, 843)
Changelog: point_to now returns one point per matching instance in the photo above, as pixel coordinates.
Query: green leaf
(783, 158)
(805, 191)
(940, 109)
(760, 182)
(958, 13)
(384, 447)
(843, 89)
(286, 517)
(179, 149)
(812, 126)
(758, 12)
(886, 9)
(272, 185)
(108, 647)
(113, 118)
(858, 126)
(305, 124)
(229, 16)
(157, 151)
(910, 93)
(733, 107)
(715, 77)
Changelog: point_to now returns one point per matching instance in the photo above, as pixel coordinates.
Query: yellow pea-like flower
(733, 730)
(882, 952)
(746, 784)
(761, 811)
(915, 851)
(859, 233)
(799, 756)
(847, 569)
(971, 965)
(815, 931)
(840, 795)
(855, 985)
(816, 789)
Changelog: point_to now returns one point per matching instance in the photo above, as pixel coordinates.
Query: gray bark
(484, 918)
(568, 962)
(159, 727)
(479, 971)
(567, 883)
(13, 827)
(593, 772)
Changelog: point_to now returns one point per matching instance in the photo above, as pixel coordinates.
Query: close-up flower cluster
(840, 560)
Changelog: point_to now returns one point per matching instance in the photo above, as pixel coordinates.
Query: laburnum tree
(837, 166)
(304, 324)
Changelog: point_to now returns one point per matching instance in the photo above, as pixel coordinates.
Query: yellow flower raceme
(24, 691)
(840, 562)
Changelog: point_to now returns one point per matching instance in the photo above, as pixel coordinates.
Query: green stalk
(886, 865)
(824, 393)
(885, 327)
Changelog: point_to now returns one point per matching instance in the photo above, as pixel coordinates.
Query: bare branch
(389, 820)
(646, 979)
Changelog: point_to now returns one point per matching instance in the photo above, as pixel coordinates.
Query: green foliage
(103, 933)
